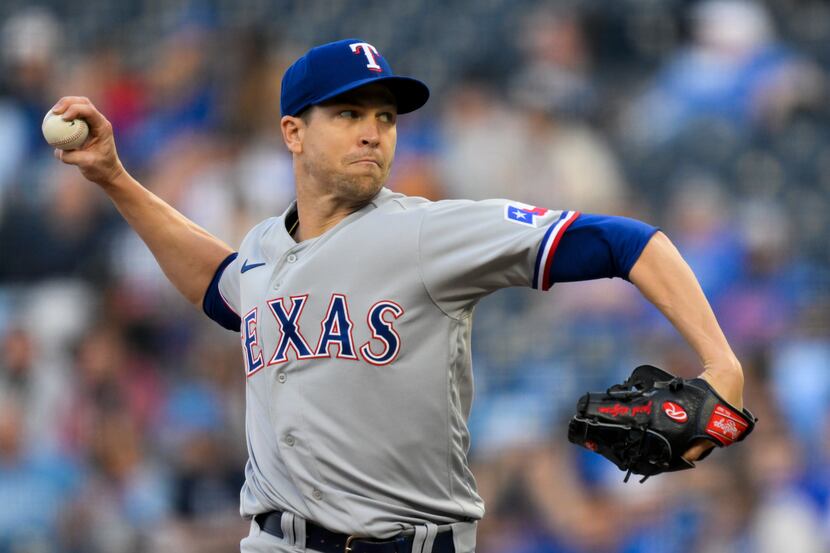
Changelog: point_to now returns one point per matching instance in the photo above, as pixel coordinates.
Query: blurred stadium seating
(122, 408)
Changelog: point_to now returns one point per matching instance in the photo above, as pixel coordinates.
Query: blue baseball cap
(331, 69)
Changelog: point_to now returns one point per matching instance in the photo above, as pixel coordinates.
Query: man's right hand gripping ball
(98, 159)
(647, 423)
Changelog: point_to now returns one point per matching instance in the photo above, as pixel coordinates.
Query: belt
(326, 541)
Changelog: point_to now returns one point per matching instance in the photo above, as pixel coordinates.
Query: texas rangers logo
(336, 333)
(524, 214)
(370, 52)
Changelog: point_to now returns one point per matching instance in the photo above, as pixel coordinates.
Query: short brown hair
(305, 115)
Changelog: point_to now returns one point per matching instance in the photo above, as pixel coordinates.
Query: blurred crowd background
(122, 407)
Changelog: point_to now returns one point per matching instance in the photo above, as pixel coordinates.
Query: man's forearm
(665, 279)
(188, 254)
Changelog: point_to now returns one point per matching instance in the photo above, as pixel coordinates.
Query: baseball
(66, 135)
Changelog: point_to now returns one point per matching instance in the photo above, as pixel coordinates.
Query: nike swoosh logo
(246, 267)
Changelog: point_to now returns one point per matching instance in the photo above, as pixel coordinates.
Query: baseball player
(354, 310)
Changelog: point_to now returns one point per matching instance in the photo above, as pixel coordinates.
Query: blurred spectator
(182, 97)
(206, 484)
(784, 518)
(116, 89)
(129, 495)
(255, 66)
(481, 142)
(762, 304)
(30, 40)
(734, 70)
(122, 408)
(259, 172)
(264, 178)
(490, 147)
(800, 379)
(566, 165)
(109, 378)
(71, 223)
(700, 223)
(726, 517)
(38, 384)
(37, 488)
(193, 408)
(13, 125)
(555, 74)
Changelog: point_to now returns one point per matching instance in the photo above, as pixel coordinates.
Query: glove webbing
(628, 390)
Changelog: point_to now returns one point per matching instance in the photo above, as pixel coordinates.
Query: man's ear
(293, 130)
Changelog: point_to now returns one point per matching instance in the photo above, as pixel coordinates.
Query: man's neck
(319, 213)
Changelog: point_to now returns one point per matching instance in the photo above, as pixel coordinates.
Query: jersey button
(289, 440)
(317, 494)
(281, 378)
(291, 258)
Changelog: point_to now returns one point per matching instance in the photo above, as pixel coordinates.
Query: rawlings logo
(725, 425)
(618, 409)
(728, 427)
(675, 412)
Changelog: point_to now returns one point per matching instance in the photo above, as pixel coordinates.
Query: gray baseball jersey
(357, 352)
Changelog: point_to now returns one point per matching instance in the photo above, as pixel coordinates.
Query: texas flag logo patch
(524, 214)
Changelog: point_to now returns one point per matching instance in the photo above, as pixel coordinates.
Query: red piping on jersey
(546, 283)
(228, 305)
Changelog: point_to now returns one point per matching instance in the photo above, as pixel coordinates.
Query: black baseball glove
(645, 424)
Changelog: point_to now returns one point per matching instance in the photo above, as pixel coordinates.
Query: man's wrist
(117, 179)
(727, 365)
(727, 381)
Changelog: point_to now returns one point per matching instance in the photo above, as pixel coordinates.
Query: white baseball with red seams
(66, 135)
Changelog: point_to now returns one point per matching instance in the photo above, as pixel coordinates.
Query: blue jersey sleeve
(599, 246)
(215, 306)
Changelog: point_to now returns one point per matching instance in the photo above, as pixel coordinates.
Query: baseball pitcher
(354, 310)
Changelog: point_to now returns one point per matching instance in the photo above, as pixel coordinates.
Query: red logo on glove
(675, 412)
(725, 425)
(618, 409)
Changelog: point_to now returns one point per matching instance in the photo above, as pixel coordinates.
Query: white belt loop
(299, 532)
(418, 539)
(287, 524)
(424, 538)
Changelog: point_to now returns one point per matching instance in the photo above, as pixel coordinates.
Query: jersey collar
(285, 241)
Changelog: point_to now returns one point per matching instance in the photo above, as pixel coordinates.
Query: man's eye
(387, 117)
(348, 114)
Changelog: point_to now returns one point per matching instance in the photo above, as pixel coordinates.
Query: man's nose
(370, 133)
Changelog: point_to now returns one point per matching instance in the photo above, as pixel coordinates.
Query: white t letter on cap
(367, 50)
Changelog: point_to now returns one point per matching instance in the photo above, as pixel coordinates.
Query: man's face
(349, 142)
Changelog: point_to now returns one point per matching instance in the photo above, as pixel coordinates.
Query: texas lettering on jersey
(336, 329)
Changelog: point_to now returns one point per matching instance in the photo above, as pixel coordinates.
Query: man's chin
(361, 188)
